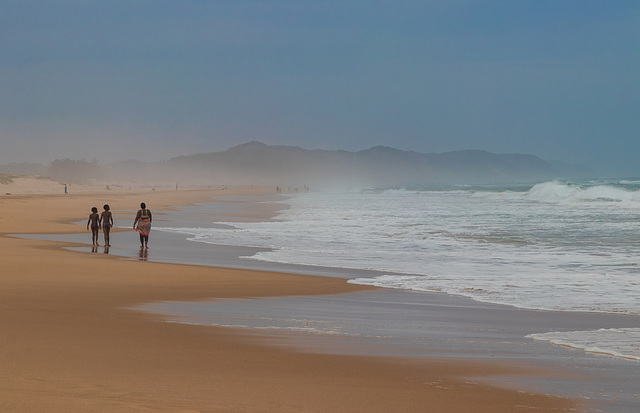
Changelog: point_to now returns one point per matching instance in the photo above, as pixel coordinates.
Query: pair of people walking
(103, 221)
(142, 224)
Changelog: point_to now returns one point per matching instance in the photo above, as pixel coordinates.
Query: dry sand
(69, 344)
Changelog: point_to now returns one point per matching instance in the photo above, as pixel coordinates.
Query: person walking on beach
(94, 221)
(143, 221)
(107, 223)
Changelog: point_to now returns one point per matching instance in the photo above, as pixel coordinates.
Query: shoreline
(72, 345)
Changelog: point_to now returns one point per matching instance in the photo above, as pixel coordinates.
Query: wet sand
(71, 342)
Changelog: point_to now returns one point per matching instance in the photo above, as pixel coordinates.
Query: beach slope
(70, 342)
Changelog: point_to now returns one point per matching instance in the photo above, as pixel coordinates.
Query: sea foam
(552, 246)
(617, 342)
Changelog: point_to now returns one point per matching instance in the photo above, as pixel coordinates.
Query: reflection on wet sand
(142, 255)
(96, 248)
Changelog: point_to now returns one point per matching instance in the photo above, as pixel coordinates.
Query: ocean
(557, 246)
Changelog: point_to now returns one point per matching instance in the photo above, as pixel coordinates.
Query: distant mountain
(261, 164)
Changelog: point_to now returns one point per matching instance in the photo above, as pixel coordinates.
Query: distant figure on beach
(94, 221)
(65, 189)
(107, 222)
(143, 221)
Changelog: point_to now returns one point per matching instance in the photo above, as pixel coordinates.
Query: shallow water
(415, 324)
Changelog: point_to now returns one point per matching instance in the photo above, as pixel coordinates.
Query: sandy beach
(71, 342)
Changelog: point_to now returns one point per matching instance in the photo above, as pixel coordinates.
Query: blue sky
(153, 79)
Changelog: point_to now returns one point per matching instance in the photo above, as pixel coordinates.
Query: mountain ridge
(256, 163)
(378, 165)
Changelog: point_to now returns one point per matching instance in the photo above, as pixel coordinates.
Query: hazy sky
(152, 79)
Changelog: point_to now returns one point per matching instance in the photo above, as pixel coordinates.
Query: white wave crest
(558, 192)
(616, 342)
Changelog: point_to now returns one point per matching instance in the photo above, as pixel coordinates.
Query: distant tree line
(74, 171)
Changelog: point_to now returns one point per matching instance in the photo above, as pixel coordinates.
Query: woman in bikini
(143, 221)
(94, 221)
(107, 223)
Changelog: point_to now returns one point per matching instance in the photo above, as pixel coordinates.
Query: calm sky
(153, 79)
